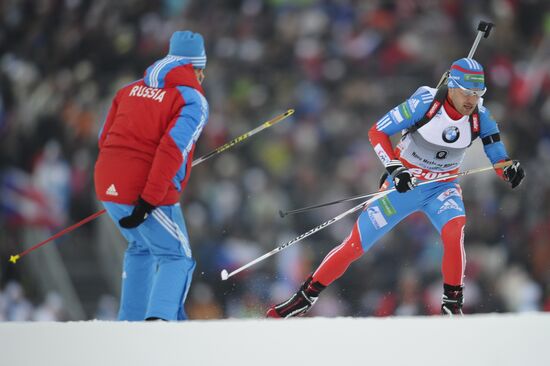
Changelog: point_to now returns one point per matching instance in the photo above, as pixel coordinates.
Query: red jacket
(146, 144)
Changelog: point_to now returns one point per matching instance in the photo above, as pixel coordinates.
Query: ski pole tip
(14, 258)
(289, 112)
(224, 275)
(281, 213)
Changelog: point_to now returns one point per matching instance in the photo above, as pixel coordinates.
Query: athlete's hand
(402, 178)
(138, 215)
(514, 174)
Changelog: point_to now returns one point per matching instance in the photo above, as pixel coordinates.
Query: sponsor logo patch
(387, 207)
(384, 158)
(396, 115)
(404, 109)
(111, 191)
(441, 154)
(433, 109)
(412, 104)
(376, 217)
(475, 122)
(451, 134)
(475, 78)
(449, 193)
(450, 204)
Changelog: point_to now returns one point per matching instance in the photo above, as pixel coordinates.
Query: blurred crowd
(341, 64)
(16, 306)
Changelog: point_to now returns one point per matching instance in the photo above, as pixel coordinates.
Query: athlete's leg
(375, 221)
(333, 266)
(446, 211)
(169, 244)
(138, 268)
(454, 257)
(338, 259)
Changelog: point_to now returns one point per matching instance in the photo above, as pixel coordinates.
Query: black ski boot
(452, 300)
(299, 303)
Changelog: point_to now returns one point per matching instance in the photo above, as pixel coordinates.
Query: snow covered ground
(496, 339)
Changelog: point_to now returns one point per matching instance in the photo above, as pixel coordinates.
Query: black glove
(514, 174)
(402, 178)
(139, 214)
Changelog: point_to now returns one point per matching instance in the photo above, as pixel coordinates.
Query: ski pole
(483, 30)
(225, 274)
(15, 258)
(235, 141)
(501, 165)
(243, 137)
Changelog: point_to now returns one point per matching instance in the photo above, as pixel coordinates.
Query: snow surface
(494, 339)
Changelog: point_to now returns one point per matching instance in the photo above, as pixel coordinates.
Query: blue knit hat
(468, 73)
(189, 46)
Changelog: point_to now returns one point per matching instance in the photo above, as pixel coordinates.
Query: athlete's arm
(490, 137)
(176, 145)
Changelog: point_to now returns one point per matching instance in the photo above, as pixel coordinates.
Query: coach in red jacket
(145, 154)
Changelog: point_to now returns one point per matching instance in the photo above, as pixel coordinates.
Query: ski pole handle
(483, 30)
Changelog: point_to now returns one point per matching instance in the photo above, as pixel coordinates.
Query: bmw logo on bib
(451, 134)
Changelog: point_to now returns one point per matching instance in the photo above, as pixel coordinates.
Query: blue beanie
(468, 73)
(188, 46)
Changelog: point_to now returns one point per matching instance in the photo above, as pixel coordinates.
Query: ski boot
(299, 303)
(452, 300)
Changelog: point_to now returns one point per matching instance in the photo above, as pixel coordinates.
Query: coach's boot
(299, 303)
(452, 300)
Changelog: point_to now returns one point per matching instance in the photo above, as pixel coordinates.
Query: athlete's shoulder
(487, 120)
(192, 96)
(420, 101)
(484, 113)
(425, 92)
(194, 103)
